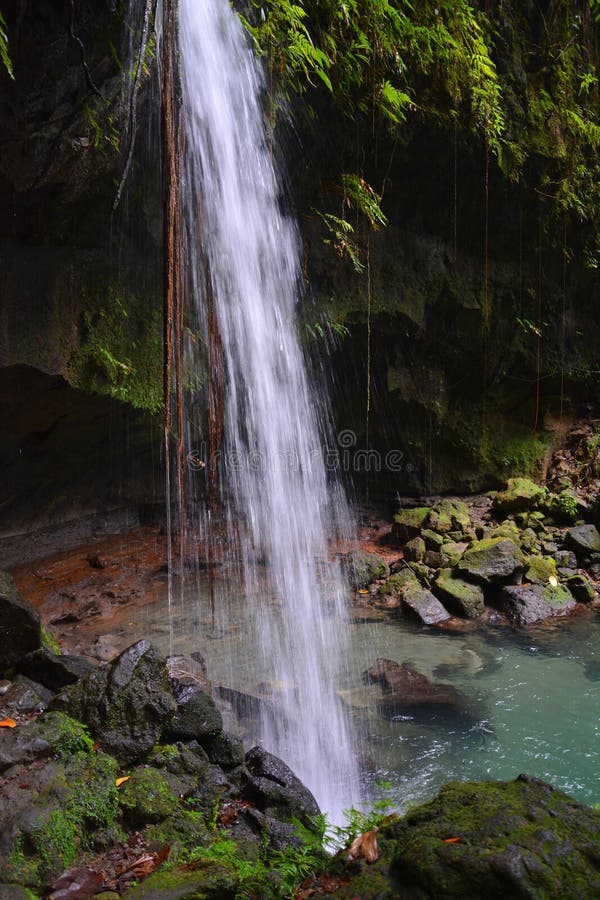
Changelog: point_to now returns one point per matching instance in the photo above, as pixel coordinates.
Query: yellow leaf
(553, 580)
(122, 780)
(8, 723)
(363, 591)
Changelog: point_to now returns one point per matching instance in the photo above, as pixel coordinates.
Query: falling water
(279, 500)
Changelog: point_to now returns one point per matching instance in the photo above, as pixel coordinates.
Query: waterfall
(242, 255)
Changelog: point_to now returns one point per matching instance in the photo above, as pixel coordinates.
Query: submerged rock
(534, 602)
(491, 560)
(406, 691)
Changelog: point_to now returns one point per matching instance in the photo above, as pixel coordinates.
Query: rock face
(459, 596)
(532, 603)
(20, 629)
(275, 790)
(492, 560)
(407, 691)
(126, 704)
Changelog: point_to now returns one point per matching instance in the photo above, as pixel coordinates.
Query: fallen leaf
(452, 840)
(96, 746)
(364, 847)
(122, 780)
(363, 591)
(553, 580)
(8, 723)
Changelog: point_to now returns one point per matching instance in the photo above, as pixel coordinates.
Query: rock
(565, 559)
(433, 540)
(196, 716)
(22, 698)
(520, 838)
(433, 559)
(581, 588)
(532, 603)
(207, 880)
(20, 628)
(414, 550)
(275, 790)
(452, 551)
(584, 540)
(408, 523)
(407, 690)
(126, 704)
(52, 670)
(449, 516)
(51, 733)
(424, 605)
(492, 560)
(539, 569)
(151, 795)
(460, 597)
(223, 749)
(189, 670)
(464, 660)
(520, 494)
(77, 883)
(180, 759)
(364, 568)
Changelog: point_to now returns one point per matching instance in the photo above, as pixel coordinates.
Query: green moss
(67, 736)
(121, 349)
(49, 641)
(147, 797)
(539, 569)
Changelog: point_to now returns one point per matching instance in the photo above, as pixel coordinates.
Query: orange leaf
(8, 723)
(364, 847)
(363, 591)
(453, 840)
(120, 781)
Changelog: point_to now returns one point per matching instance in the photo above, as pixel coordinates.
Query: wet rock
(414, 550)
(76, 884)
(492, 560)
(592, 669)
(424, 605)
(581, 588)
(364, 568)
(20, 628)
(462, 661)
(521, 838)
(151, 795)
(51, 733)
(52, 670)
(196, 716)
(126, 704)
(520, 494)
(225, 750)
(189, 670)
(408, 523)
(449, 516)
(275, 790)
(22, 698)
(406, 691)
(533, 603)
(180, 759)
(584, 540)
(459, 596)
(397, 584)
(539, 569)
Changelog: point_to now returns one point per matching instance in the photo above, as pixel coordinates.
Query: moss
(539, 569)
(121, 349)
(49, 641)
(200, 881)
(66, 735)
(147, 797)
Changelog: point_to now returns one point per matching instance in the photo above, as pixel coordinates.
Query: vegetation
(4, 57)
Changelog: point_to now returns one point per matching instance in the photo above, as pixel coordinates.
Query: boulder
(196, 716)
(414, 550)
(449, 516)
(584, 540)
(272, 786)
(519, 838)
(52, 670)
(581, 588)
(460, 597)
(532, 603)
(406, 691)
(20, 628)
(539, 569)
(424, 605)
(225, 750)
(364, 568)
(408, 523)
(127, 704)
(492, 560)
(520, 494)
(433, 540)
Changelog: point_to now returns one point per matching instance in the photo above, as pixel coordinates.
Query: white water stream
(278, 497)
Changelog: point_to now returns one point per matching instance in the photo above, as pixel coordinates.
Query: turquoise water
(534, 702)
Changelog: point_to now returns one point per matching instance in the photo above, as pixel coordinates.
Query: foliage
(4, 56)
(120, 353)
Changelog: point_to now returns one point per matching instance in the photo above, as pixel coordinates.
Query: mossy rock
(433, 540)
(449, 516)
(452, 551)
(395, 585)
(364, 568)
(492, 560)
(149, 796)
(414, 550)
(20, 627)
(459, 596)
(408, 523)
(581, 588)
(201, 880)
(520, 494)
(526, 604)
(539, 569)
